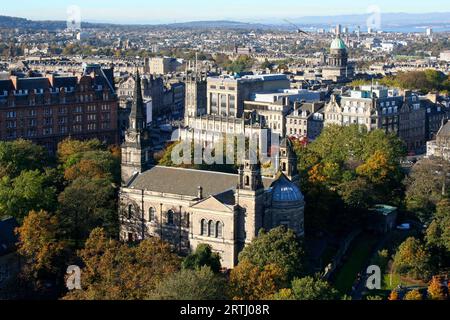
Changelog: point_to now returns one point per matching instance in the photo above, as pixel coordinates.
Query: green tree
(21, 155)
(279, 247)
(30, 190)
(203, 256)
(424, 187)
(199, 284)
(86, 204)
(309, 288)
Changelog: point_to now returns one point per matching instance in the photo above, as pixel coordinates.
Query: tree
(70, 148)
(424, 187)
(413, 295)
(393, 295)
(251, 282)
(30, 190)
(203, 256)
(94, 165)
(413, 259)
(280, 247)
(199, 284)
(116, 271)
(309, 288)
(86, 204)
(40, 247)
(21, 155)
(438, 232)
(349, 169)
(435, 289)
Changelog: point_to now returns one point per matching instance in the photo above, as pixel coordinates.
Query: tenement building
(223, 210)
(440, 147)
(50, 108)
(374, 107)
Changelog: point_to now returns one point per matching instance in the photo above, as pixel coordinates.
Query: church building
(187, 207)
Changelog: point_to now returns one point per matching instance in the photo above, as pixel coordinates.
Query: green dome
(338, 44)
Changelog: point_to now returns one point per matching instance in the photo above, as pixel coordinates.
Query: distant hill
(21, 23)
(388, 20)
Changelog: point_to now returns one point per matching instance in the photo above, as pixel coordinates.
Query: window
(203, 227)
(211, 227)
(170, 217)
(247, 180)
(219, 229)
(130, 211)
(151, 214)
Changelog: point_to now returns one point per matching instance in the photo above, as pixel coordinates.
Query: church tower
(250, 198)
(136, 150)
(288, 160)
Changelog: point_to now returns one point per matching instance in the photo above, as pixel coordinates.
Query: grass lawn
(358, 255)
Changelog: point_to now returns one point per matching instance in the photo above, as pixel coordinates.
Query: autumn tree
(70, 149)
(187, 284)
(251, 282)
(413, 259)
(435, 289)
(201, 257)
(116, 271)
(413, 295)
(41, 247)
(349, 169)
(393, 295)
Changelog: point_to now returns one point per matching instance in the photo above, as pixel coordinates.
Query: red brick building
(49, 109)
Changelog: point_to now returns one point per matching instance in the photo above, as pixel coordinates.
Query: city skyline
(150, 12)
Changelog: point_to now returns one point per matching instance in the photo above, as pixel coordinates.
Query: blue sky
(162, 11)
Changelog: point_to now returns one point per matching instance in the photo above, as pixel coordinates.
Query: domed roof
(283, 190)
(338, 44)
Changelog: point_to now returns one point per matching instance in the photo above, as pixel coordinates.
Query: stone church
(187, 207)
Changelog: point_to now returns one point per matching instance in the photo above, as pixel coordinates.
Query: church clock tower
(136, 150)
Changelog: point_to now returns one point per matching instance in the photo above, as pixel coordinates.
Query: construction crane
(296, 27)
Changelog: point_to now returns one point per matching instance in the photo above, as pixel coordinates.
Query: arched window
(130, 211)
(203, 227)
(170, 217)
(219, 229)
(211, 227)
(151, 214)
(247, 180)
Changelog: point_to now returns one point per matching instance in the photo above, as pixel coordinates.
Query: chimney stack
(200, 192)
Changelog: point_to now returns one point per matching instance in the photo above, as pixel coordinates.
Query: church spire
(137, 118)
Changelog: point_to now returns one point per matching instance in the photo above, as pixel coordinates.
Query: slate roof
(8, 238)
(185, 182)
(66, 82)
(32, 83)
(6, 85)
